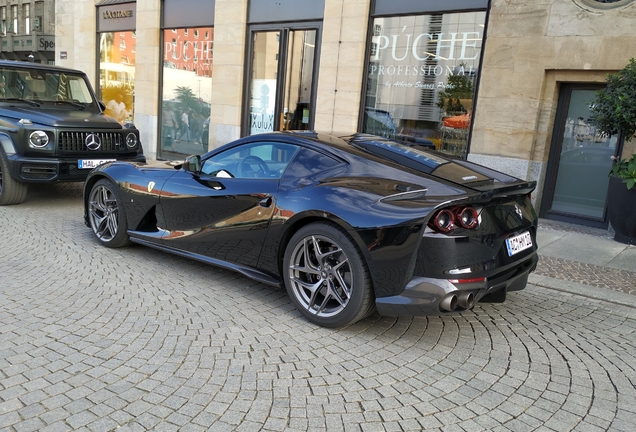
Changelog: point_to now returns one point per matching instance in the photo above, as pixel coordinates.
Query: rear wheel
(107, 216)
(326, 276)
(11, 191)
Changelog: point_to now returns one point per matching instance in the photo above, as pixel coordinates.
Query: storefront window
(422, 77)
(117, 74)
(187, 88)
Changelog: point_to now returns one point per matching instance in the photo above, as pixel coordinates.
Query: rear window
(308, 162)
(415, 157)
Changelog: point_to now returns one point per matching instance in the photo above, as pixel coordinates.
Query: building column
(230, 28)
(75, 34)
(342, 62)
(147, 63)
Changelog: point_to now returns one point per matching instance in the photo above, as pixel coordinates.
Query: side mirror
(102, 105)
(192, 164)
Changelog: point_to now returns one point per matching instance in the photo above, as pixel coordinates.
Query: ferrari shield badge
(150, 186)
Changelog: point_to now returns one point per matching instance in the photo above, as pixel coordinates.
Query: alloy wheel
(103, 213)
(320, 275)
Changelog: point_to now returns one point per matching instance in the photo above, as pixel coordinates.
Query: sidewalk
(580, 260)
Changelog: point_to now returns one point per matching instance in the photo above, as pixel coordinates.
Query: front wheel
(107, 215)
(11, 191)
(326, 276)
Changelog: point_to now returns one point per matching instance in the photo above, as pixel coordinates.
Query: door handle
(265, 202)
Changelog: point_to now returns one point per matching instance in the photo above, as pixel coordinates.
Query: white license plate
(518, 243)
(91, 163)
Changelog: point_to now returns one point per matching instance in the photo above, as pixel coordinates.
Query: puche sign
(182, 52)
(408, 59)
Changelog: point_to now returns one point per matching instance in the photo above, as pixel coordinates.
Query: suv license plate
(91, 163)
(518, 243)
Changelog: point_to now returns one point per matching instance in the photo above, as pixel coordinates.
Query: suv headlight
(131, 140)
(38, 139)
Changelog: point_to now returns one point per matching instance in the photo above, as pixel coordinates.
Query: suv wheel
(11, 191)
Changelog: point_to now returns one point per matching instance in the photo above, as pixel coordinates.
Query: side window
(254, 160)
(308, 163)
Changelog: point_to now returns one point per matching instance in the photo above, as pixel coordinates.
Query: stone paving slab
(575, 246)
(95, 339)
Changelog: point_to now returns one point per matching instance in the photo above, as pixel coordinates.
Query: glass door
(301, 45)
(264, 81)
(281, 83)
(580, 160)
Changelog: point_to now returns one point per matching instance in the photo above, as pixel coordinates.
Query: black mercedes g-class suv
(53, 128)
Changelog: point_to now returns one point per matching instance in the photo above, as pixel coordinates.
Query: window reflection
(422, 77)
(117, 74)
(187, 89)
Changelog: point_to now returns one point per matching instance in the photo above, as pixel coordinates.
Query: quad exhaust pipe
(449, 303)
(465, 300)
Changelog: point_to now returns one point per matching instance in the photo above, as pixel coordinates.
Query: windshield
(42, 86)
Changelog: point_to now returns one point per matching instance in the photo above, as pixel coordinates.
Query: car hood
(171, 165)
(66, 117)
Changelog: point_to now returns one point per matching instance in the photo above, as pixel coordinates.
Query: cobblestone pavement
(134, 339)
(588, 274)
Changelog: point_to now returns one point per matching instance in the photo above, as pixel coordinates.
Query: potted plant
(614, 111)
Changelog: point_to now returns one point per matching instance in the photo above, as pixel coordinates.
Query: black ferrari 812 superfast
(348, 224)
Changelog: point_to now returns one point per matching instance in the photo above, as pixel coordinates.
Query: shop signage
(261, 123)
(419, 47)
(182, 52)
(46, 44)
(117, 14)
(116, 17)
(399, 59)
(262, 115)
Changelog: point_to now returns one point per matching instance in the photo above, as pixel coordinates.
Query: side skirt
(246, 271)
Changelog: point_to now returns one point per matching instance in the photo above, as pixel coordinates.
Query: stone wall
(531, 47)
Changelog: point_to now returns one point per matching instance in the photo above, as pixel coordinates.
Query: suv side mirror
(192, 164)
(102, 105)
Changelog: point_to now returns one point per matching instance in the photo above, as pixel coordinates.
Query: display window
(187, 89)
(421, 78)
(117, 74)
(282, 77)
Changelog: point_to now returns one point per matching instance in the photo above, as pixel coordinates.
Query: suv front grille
(75, 142)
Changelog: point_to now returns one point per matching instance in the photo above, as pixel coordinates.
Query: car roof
(37, 66)
(376, 147)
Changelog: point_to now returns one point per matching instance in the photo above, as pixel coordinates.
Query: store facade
(498, 82)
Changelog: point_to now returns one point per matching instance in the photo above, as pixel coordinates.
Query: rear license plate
(91, 163)
(518, 243)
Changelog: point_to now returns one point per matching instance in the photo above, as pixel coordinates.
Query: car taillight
(444, 220)
(447, 219)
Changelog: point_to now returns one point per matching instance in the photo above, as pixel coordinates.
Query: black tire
(11, 190)
(107, 215)
(332, 288)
